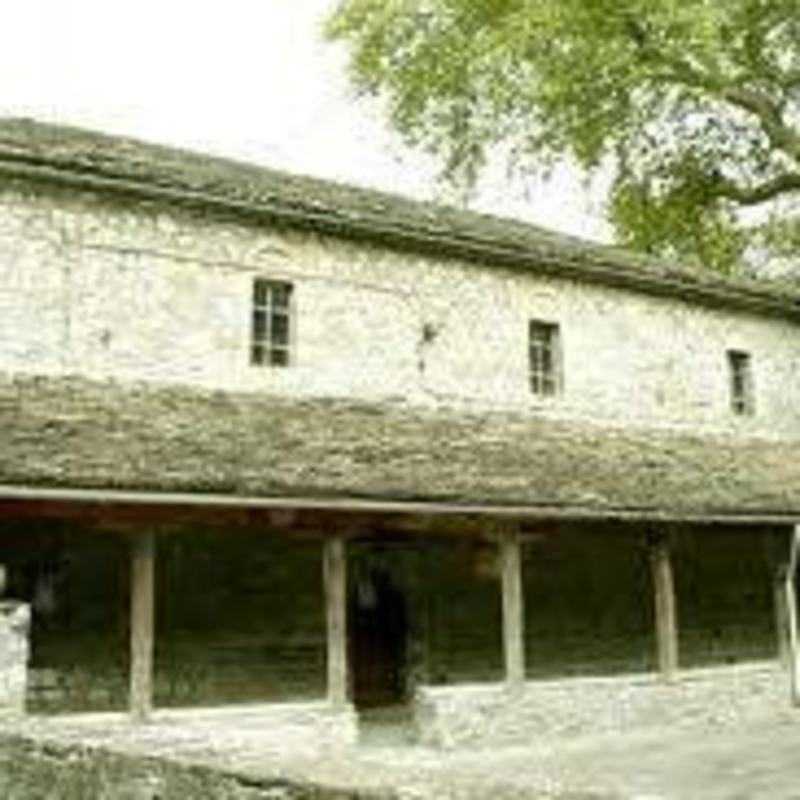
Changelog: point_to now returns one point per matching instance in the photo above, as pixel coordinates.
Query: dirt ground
(759, 760)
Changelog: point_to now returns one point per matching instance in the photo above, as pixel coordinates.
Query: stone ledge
(305, 725)
(489, 714)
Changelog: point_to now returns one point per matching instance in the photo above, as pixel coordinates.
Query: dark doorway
(378, 639)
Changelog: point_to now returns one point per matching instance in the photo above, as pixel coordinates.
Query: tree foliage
(695, 102)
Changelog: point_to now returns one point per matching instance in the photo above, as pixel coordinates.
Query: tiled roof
(72, 432)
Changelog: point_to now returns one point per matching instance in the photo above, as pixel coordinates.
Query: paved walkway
(759, 761)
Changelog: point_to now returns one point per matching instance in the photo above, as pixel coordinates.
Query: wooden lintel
(513, 608)
(142, 625)
(666, 622)
(358, 505)
(335, 578)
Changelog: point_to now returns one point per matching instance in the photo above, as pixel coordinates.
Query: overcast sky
(247, 79)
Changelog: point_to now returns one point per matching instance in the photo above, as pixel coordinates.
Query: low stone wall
(489, 714)
(293, 727)
(299, 728)
(15, 621)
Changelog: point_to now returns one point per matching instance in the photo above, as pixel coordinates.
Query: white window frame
(545, 378)
(271, 300)
(741, 387)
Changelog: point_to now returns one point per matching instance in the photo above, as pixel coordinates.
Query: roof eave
(357, 505)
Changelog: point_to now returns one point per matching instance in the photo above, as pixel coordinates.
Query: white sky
(247, 79)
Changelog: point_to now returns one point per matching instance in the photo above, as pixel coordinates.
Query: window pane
(260, 291)
(280, 294)
(280, 329)
(279, 357)
(257, 354)
(259, 325)
(547, 361)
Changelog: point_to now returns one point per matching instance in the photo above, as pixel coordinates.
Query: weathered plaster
(134, 292)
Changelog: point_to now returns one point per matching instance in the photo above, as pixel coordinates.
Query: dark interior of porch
(240, 608)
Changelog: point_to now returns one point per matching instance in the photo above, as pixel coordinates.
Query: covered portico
(498, 536)
(147, 464)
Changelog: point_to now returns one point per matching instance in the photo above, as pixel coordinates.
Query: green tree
(695, 103)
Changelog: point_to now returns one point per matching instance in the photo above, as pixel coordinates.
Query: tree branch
(755, 195)
(769, 113)
(766, 109)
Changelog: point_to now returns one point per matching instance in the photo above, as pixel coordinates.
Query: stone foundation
(15, 619)
(488, 714)
(293, 727)
(313, 725)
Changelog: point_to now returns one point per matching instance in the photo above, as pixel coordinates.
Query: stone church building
(272, 439)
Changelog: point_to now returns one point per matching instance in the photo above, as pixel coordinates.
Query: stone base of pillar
(15, 623)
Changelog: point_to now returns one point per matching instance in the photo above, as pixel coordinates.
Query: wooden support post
(513, 610)
(142, 625)
(794, 663)
(335, 577)
(781, 607)
(665, 613)
(791, 608)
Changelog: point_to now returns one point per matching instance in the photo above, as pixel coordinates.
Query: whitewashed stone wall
(15, 618)
(488, 714)
(140, 293)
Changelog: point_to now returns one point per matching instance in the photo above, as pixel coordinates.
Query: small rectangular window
(270, 340)
(741, 382)
(544, 358)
